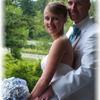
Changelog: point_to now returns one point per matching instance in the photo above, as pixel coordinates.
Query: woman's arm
(54, 57)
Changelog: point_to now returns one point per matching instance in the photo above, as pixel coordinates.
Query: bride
(60, 57)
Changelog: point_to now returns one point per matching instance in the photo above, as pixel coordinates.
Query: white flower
(14, 89)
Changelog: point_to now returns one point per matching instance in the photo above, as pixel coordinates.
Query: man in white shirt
(79, 84)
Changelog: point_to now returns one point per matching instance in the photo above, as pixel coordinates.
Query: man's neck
(82, 21)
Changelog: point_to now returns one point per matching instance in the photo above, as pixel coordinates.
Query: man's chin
(76, 20)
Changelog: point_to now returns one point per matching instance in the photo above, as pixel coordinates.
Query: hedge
(28, 69)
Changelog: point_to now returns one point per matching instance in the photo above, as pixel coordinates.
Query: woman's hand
(30, 97)
(47, 94)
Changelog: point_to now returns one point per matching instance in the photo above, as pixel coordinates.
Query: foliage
(40, 5)
(93, 9)
(16, 53)
(27, 7)
(39, 30)
(30, 25)
(67, 24)
(25, 68)
(16, 30)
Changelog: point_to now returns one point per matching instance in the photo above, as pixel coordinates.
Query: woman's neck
(57, 35)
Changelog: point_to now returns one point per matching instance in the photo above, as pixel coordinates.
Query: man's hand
(47, 94)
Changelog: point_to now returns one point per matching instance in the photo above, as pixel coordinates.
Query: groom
(79, 83)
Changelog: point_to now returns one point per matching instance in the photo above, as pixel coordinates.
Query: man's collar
(81, 24)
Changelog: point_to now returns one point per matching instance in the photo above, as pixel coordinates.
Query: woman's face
(53, 23)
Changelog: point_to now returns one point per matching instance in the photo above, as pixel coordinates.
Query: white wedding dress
(62, 69)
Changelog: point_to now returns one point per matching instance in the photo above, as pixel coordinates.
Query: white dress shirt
(79, 84)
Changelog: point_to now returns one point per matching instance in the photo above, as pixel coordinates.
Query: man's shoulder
(92, 22)
(92, 25)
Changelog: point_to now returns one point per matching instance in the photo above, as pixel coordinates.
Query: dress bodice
(62, 69)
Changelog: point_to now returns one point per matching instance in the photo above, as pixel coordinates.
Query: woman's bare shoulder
(61, 40)
(58, 45)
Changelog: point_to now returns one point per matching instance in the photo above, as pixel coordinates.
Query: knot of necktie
(76, 32)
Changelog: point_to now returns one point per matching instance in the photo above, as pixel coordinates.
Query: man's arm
(76, 79)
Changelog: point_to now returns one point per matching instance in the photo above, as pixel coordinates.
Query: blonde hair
(57, 8)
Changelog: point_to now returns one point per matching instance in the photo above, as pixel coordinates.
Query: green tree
(16, 30)
(28, 7)
(93, 9)
(40, 5)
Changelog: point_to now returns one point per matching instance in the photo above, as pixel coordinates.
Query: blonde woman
(60, 57)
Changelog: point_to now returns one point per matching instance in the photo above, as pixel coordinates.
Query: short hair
(88, 1)
(57, 8)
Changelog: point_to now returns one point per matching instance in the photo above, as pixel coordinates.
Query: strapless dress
(62, 69)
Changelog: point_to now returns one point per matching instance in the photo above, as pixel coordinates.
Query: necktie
(76, 32)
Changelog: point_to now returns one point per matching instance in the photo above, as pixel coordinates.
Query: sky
(34, 0)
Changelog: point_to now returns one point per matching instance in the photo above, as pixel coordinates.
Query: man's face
(78, 9)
